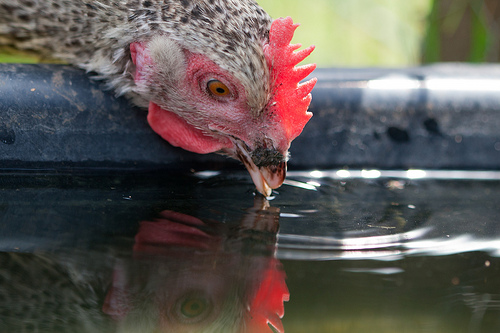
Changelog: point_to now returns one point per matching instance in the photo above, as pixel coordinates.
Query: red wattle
(179, 133)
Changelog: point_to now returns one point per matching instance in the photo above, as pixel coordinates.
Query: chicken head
(204, 107)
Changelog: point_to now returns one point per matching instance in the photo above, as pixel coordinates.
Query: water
(358, 251)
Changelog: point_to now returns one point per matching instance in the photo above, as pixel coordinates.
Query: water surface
(333, 251)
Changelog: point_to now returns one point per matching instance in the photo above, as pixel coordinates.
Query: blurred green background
(394, 33)
(384, 33)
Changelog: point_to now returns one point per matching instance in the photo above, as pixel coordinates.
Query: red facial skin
(216, 117)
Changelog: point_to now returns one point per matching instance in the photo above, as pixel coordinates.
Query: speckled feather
(52, 294)
(95, 35)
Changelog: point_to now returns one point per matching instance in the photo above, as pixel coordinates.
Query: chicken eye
(217, 88)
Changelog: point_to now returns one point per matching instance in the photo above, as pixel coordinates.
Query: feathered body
(200, 66)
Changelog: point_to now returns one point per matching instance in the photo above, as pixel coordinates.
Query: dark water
(334, 252)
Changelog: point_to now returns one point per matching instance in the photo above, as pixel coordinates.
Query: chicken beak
(265, 178)
(274, 175)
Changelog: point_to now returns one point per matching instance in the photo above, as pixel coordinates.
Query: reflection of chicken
(216, 75)
(184, 275)
(198, 286)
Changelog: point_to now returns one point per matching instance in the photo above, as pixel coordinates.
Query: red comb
(290, 99)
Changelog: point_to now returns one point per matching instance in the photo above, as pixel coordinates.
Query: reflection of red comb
(290, 99)
(267, 305)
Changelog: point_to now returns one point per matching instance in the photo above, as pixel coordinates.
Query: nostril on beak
(264, 157)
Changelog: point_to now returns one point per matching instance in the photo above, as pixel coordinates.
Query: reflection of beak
(266, 177)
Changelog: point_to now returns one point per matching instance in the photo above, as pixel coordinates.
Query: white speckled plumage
(95, 35)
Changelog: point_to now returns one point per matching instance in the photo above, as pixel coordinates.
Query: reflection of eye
(192, 308)
(217, 88)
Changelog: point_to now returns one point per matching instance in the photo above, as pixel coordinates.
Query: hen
(216, 75)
